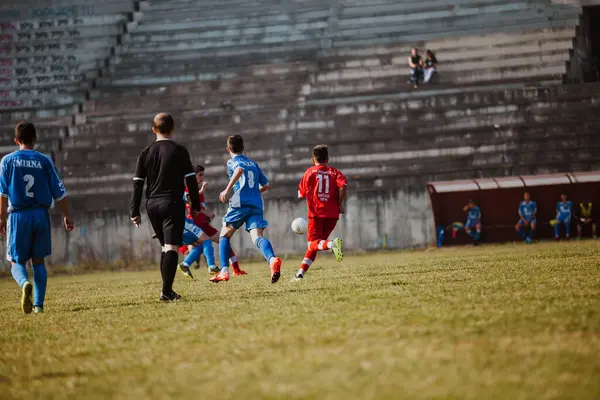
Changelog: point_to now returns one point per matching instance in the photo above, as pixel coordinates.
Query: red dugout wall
(499, 200)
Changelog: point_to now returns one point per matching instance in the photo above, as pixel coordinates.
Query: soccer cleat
(27, 298)
(185, 270)
(336, 249)
(38, 310)
(239, 272)
(169, 297)
(275, 269)
(298, 277)
(528, 240)
(213, 269)
(220, 277)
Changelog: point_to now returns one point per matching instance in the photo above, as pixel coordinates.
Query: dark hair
(471, 201)
(235, 144)
(321, 153)
(198, 168)
(25, 133)
(163, 123)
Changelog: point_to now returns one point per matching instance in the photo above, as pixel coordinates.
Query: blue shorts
(252, 217)
(28, 235)
(471, 223)
(522, 221)
(564, 218)
(191, 232)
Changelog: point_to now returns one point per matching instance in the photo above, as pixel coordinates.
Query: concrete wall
(404, 217)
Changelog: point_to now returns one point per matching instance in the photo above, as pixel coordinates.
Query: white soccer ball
(299, 226)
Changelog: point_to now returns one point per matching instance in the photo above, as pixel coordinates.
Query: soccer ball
(299, 226)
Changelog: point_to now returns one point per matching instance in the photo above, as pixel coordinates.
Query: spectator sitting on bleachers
(430, 67)
(415, 62)
(585, 218)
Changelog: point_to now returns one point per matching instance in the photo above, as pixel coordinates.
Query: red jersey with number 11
(320, 187)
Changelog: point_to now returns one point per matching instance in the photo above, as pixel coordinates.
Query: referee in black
(165, 165)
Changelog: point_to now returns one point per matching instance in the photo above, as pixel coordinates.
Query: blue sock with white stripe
(40, 280)
(265, 248)
(209, 252)
(193, 256)
(19, 272)
(224, 251)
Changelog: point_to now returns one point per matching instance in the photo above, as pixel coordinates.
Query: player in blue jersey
(29, 185)
(473, 221)
(564, 212)
(527, 211)
(247, 182)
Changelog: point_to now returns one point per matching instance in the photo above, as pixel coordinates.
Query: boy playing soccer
(202, 220)
(29, 183)
(324, 189)
(245, 207)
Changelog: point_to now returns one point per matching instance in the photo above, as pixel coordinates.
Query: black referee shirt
(165, 166)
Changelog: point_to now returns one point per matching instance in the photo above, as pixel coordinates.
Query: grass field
(493, 322)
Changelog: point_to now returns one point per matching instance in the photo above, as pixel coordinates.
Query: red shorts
(320, 228)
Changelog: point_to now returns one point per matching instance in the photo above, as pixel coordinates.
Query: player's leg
(520, 228)
(557, 228)
(192, 235)
(265, 247)
(579, 229)
(594, 232)
(207, 246)
(314, 234)
(477, 233)
(232, 221)
(42, 248)
(173, 224)
(468, 227)
(233, 260)
(19, 234)
(532, 226)
(567, 228)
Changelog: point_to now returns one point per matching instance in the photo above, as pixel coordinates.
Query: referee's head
(163, 124)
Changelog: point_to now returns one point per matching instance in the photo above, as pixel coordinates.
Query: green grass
(494, 322)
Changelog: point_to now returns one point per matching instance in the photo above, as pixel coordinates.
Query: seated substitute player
(527, 211)
(324, 189)
(585, 218)
(29, 183)
(473, 221)
(245, 207)
(564, 211)
(202, 220)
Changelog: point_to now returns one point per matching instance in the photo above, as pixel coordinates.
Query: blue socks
(224, 251)
(265, 248)
(476, 236)
(40, 279)
(209, 252)
(193, 256)
(522, 233)
(19, 272)
(568, 228)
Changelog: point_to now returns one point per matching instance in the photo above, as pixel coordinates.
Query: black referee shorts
(168, 220)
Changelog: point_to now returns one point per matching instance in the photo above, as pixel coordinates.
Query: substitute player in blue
(564, 212)
(29, 184)
(473, 221)
(247, 182)
(527, 211)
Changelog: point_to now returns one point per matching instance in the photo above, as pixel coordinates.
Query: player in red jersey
(324, 189)
(202, 220)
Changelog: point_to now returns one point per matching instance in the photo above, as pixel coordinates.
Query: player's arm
(190, 180)
(138, 188)
(4, 179)
(342, 184)
(263, 182)
(59, 193)
(237, 174)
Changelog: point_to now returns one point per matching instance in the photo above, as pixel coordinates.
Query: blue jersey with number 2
(29, 179)
(246, 191)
